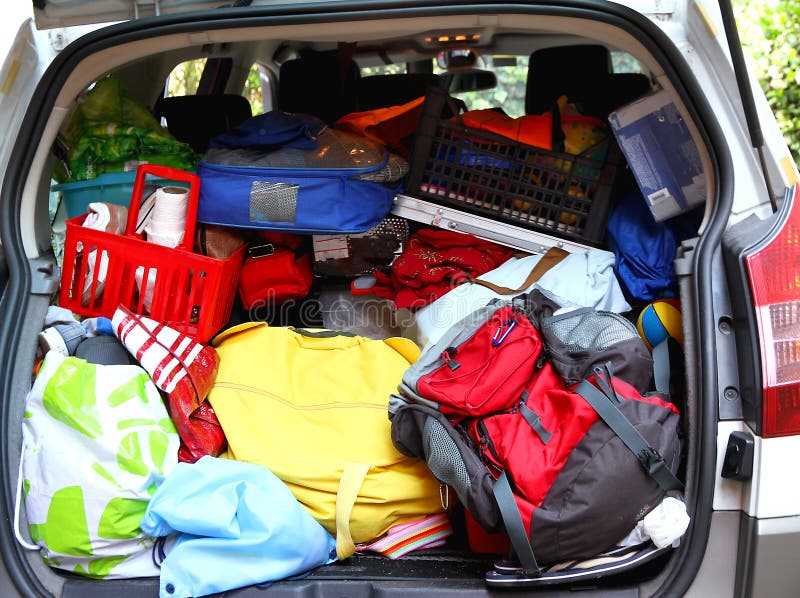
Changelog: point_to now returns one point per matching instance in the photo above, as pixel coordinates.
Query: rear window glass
(384, 69)
(509, 94)
(254, 89)
(184, 78)
(622, 62)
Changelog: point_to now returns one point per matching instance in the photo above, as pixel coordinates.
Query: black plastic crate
(486, 174)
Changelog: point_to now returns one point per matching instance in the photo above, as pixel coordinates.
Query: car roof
(50, 14)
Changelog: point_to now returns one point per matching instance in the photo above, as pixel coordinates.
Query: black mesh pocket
(589, 330)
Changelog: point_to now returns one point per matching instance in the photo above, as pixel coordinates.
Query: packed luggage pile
(256, 369)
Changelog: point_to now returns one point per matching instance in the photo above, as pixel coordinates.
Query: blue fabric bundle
(645, 250)
(273, 130)
(237, 525)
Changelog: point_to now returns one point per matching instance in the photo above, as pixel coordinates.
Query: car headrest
(322, 84)
(583, 73)
(196, 119)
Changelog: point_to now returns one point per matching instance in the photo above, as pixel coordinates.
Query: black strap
(557, 135)
(534, 421)
(515, 528)
(647, 455)
(384, 56)
(202, 229)
(158, 554)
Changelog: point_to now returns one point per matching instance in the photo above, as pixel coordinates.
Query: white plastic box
(661, 154)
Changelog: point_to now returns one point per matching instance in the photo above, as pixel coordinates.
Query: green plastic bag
(112, 127)
(97, 444)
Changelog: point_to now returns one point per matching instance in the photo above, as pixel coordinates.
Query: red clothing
(434, 262)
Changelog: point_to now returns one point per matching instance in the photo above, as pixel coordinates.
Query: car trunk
(141, 52)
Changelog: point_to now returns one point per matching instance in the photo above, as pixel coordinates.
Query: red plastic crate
(192, 293)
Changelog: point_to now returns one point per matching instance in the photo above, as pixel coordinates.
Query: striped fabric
(164, 352)
(185, 370)
(415, 535)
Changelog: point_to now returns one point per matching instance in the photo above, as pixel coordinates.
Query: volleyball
(659, 320)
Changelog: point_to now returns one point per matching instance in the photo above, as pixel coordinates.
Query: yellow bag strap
(349, 485)
(234, 330)
(406, 347)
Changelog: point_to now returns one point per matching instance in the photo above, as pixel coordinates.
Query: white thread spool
(166, 226)
(168, 220)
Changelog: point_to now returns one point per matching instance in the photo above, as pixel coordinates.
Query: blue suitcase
(345, 184)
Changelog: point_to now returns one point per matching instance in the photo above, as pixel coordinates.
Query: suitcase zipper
(347, 172)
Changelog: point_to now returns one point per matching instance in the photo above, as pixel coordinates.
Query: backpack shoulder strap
(514, 525)
(649, 457)
(661, 366)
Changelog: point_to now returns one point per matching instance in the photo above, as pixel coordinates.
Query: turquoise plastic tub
(111, 187)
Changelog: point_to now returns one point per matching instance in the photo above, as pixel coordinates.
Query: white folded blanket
(579, 280)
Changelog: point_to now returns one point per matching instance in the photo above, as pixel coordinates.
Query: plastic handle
(455, 108)
(172, 174)
(456, 111)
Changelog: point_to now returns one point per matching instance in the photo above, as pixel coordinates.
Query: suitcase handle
(172, 174)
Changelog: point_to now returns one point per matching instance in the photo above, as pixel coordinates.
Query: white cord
(23, 542)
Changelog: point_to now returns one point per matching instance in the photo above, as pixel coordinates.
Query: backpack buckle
(651, 460)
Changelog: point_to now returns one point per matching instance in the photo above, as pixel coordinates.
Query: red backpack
(567, 471)
(481, 365)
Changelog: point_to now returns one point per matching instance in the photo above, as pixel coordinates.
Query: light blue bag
(238, 525)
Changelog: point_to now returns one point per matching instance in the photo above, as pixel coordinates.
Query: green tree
(770, 34)
(252, 90)
(184, 78)
(386, 69)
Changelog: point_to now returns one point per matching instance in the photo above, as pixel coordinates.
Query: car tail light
(774, 270)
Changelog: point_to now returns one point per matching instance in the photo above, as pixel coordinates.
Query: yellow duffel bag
(312, 406)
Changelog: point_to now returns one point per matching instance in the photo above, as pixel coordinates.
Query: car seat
(582, 73)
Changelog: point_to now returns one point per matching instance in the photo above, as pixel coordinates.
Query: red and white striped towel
(182, 368)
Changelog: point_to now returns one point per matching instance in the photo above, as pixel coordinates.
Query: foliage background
(770, 35)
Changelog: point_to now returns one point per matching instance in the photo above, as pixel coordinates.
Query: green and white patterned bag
(97, 443)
